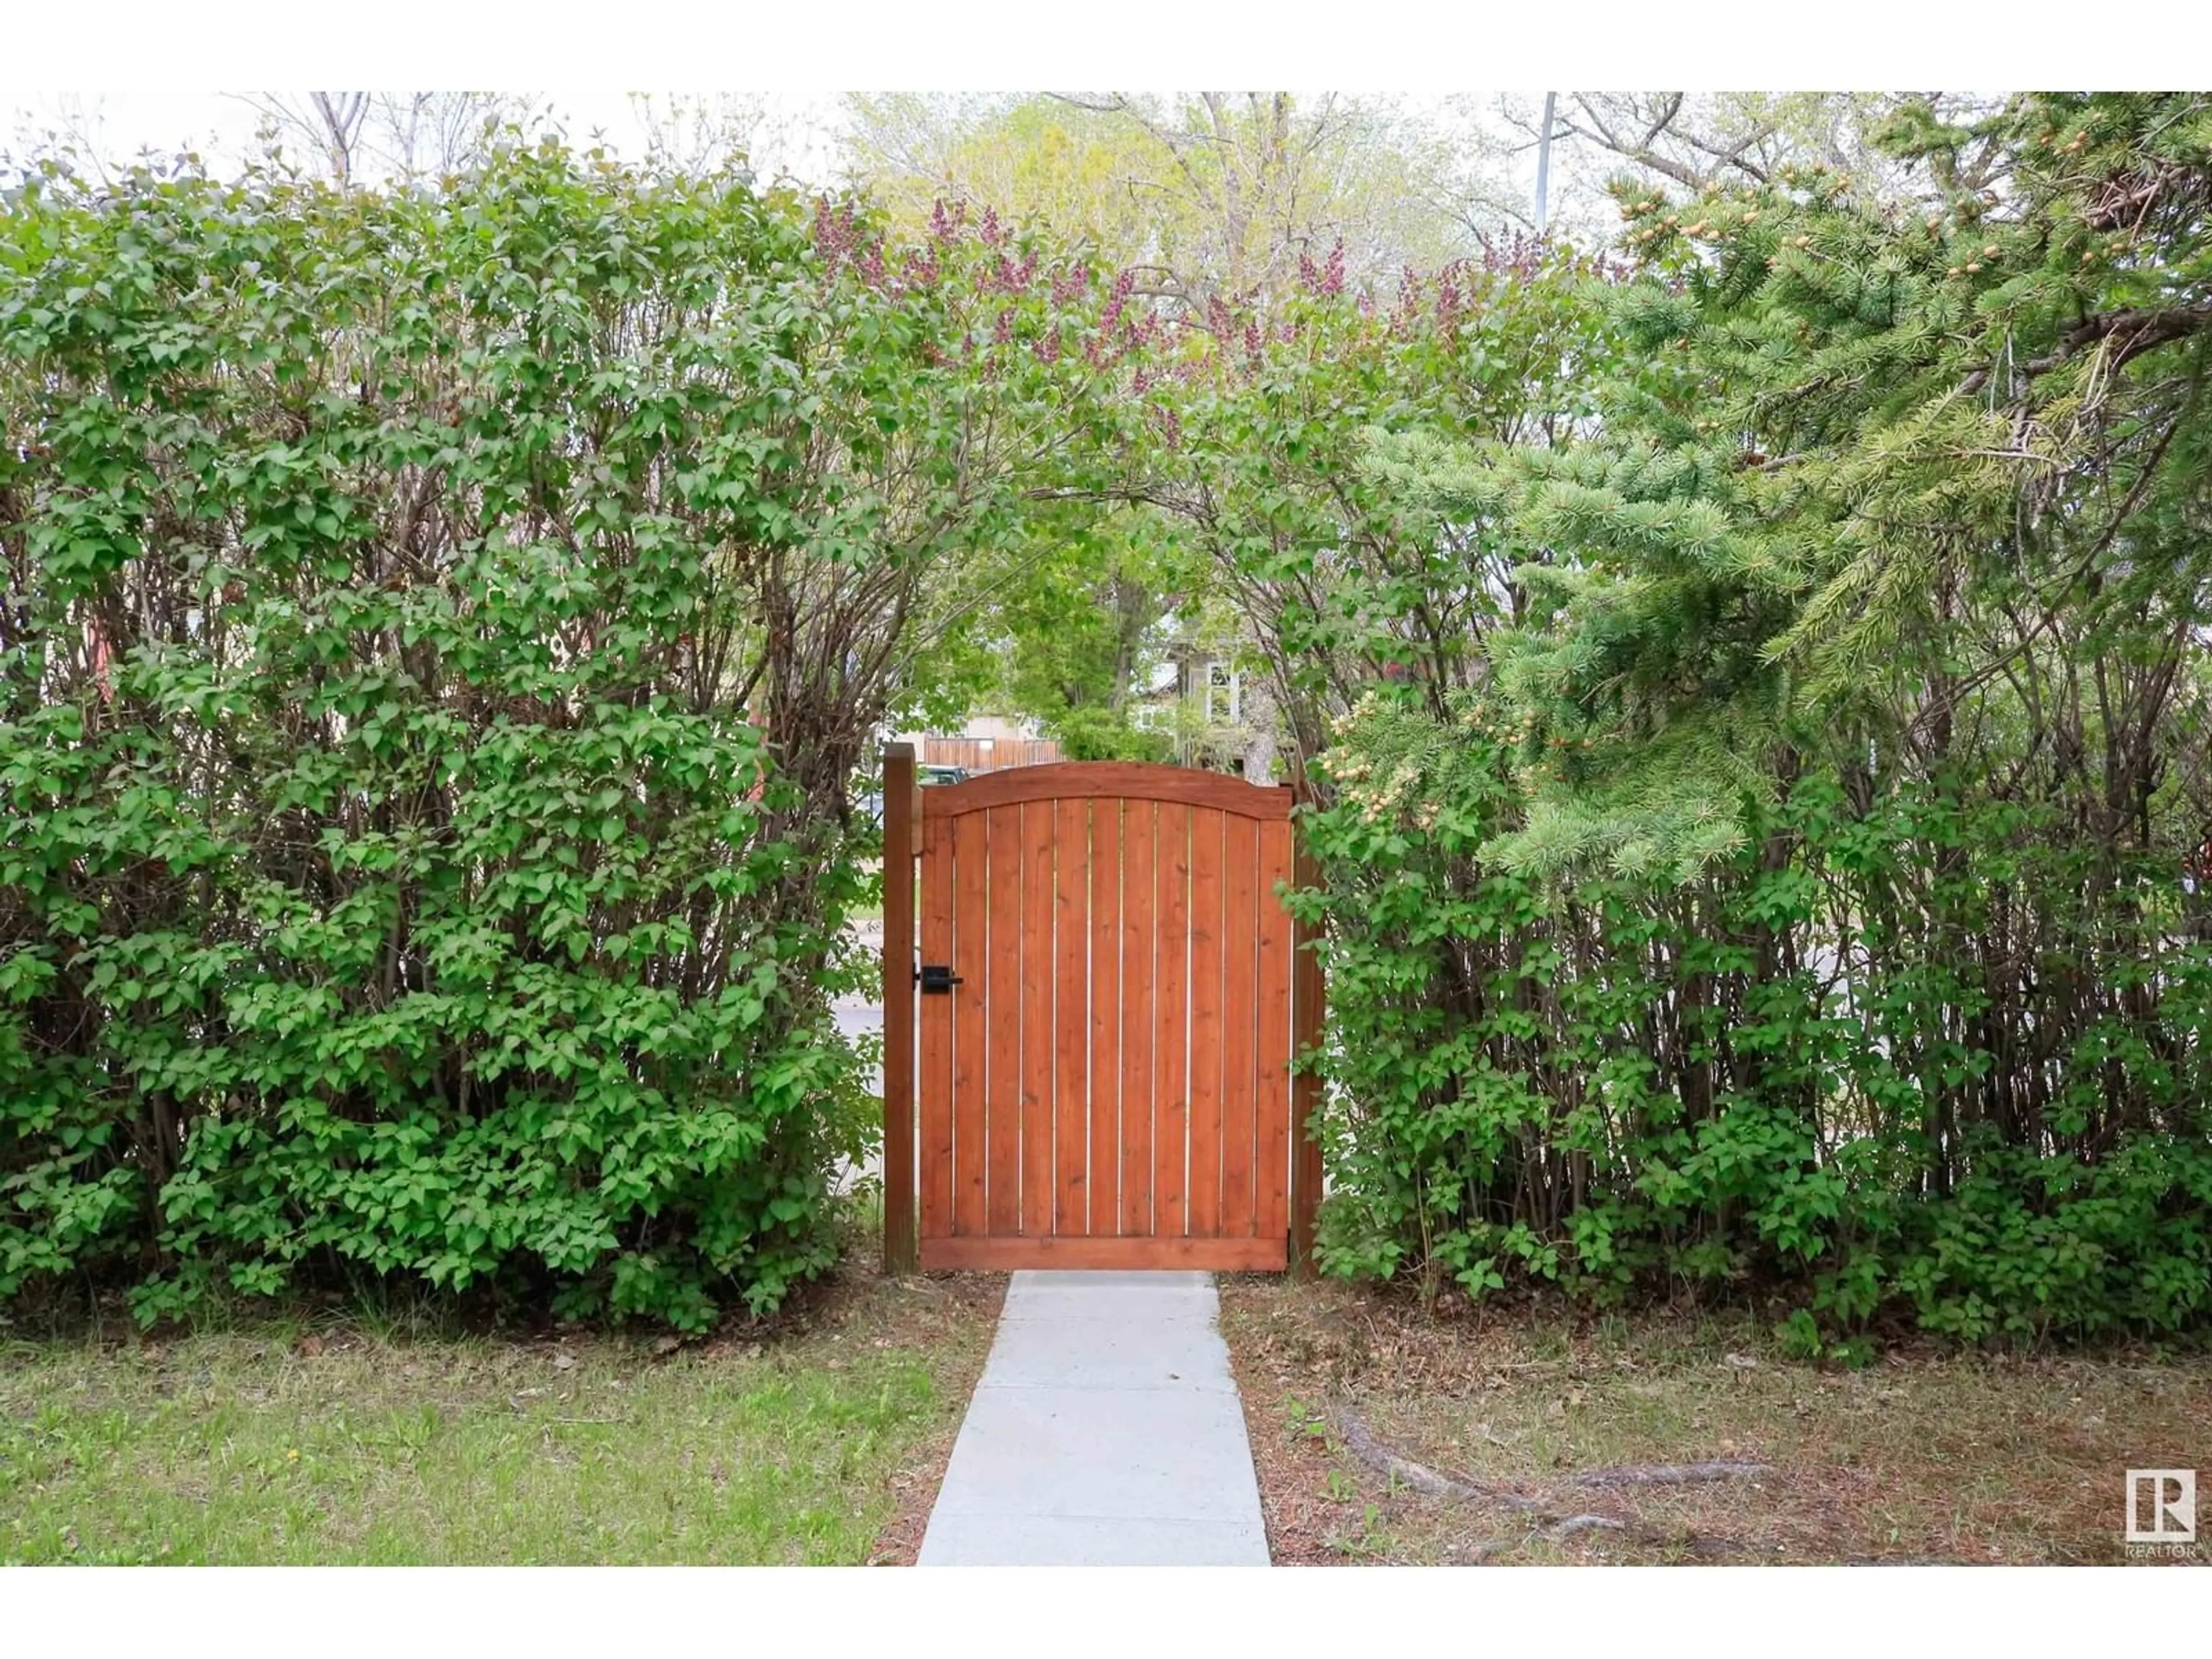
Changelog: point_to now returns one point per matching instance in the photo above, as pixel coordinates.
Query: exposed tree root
(1361, 1442)
(1575, 1523)
(1546, 1522)
(1667, 1474)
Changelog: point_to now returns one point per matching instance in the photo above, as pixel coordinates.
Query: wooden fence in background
(989, 754)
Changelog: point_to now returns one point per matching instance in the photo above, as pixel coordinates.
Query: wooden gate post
(1306, 1006)
(902, 1247)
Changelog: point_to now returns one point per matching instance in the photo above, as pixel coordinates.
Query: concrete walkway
(1106, 1431)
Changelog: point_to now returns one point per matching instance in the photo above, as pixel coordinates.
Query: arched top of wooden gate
(1108, 780)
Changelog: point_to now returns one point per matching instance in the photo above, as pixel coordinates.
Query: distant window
(1222, 689)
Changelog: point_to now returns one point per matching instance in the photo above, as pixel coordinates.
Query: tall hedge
(440, 629)
(1756, 701)
(1895, 1056)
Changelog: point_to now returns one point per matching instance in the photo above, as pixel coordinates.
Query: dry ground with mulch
(1545, 1429)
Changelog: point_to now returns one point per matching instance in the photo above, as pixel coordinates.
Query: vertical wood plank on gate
(1071, 898)
(1103, 1184)
(1139, 849)
(1307, 990)
(1274, 997)
(1171, 992)
(900, 1241)
(1240, 1029)
(936, 1033)
(1039, 972)
(1002, 1087)
(970, 920)
(1202, 1200)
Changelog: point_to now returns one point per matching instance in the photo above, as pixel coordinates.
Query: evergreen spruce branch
(2135, 331)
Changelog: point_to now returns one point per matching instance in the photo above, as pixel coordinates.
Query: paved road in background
(858, 1016)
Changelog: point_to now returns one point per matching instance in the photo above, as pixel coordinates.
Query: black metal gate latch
(938, 977)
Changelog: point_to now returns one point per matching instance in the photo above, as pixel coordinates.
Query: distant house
(1218, 715)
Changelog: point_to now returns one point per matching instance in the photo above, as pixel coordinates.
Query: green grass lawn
(281, 1445)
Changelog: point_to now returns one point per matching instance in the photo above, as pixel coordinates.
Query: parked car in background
(870, 805)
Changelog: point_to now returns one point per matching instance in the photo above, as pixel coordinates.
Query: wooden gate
(1088, 1062)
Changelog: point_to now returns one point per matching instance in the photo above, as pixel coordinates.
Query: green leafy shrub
(439, 631)
(1783, 1078)
(1756, 703)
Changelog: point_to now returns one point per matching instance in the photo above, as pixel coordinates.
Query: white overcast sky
(799, 131)
(151, 56)
(153, 47)
(221, 126)
(796, 135)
